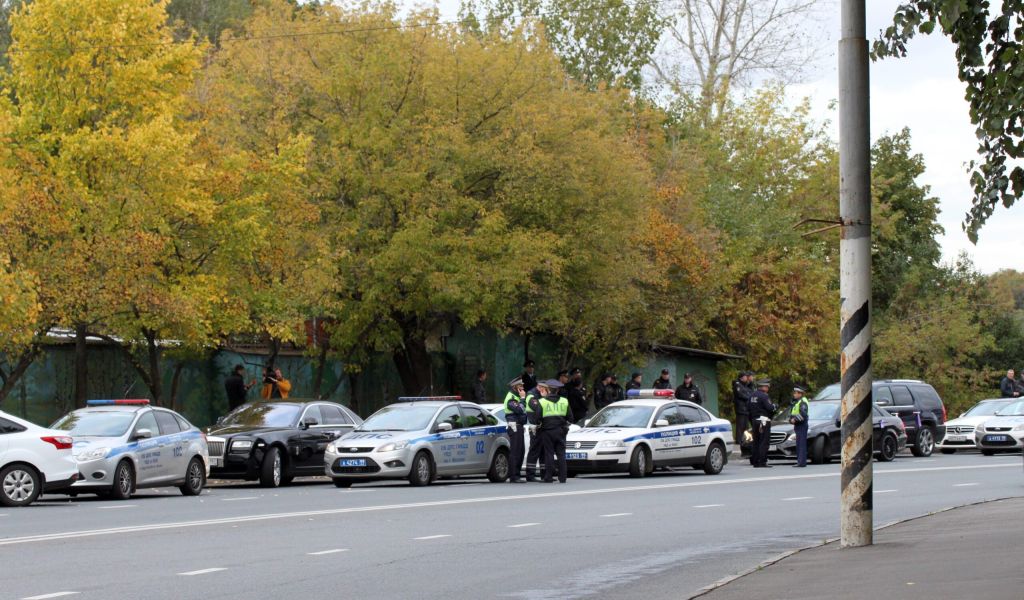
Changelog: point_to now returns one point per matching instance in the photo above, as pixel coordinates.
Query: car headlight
(611, 444)
(332, 448)
(94, 454)
(241, 445)
(980, 429)
(1019, 427)
(394, 446)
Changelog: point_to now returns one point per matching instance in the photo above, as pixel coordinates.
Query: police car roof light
(121, 402)
(649, 393)
(427, 398)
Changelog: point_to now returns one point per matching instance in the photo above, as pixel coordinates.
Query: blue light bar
(650, 393)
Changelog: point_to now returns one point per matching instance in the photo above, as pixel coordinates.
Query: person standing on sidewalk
(761, 412)
(515, 416)
(663, 382)
(576, 393)
(529, 379)
(689, 391)
(635, 382)
(479, 390)
(741, 401)
(798, 417)
(1008, 386)
(236, 387)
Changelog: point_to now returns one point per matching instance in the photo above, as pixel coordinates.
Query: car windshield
(402, 417)
(622, 416)
(263, 414)
(96, 423)
(987, 409)
(1014, 410)
(830, 392)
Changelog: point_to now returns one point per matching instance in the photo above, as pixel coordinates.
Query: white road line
(236, 499)
(202, 571)
(324, 552)
(617, 515)
(964, 484)
(708, 505)
(433, 537)
(795, 498)
(64, 535)
(885, 491)
(523, 525)
(53, 595)
(117, 506)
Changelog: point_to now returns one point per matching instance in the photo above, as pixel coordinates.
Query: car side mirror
(961, 415)
(220, 421)
(839, 423)
(310, 422)
(142, 434)
(444, 426)
(661, 423)
(586, 422)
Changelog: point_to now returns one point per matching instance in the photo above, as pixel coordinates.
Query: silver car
(123, 445)
(421, 439)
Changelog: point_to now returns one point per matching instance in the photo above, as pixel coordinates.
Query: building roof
(695, 352)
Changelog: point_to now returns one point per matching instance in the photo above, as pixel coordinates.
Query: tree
(207, 18)
(7, 9)
(989, 58)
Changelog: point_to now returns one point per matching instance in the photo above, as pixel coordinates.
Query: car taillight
(944, 419)
(60, 442)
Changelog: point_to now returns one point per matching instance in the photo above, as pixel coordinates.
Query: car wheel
(888, 450)
(499, 467)
(124, 481)
(925, 444)
(818, 451)
(639, 463)
(272, 469)
(948, 450)
(988, 452)
(422, 470)
(195, 478)
(342, 483)
(19, 485)
(714, 461)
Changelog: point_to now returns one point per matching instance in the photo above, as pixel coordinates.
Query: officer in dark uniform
(689, 391)
(604, 394)
(798, 417)
(556, 415)
(635, 382)
(761, 412)
(741, 393)
(663, 382)
(529, 379)
(536, 451)
(515, 416)
(576, 393)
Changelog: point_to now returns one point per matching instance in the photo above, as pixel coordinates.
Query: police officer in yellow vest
(515, 416)
(798, 417)
(555, 417)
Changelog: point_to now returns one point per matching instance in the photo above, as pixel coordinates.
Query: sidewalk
(969, 552)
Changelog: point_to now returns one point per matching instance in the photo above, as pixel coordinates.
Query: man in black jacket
(529, 379)
(603, 393)
(479, 390)
(635, 382)
(1008, 386)
(689, 391)
(236, 388)
(663, 382)
(576, 393)
(761, 412)
(741, 393)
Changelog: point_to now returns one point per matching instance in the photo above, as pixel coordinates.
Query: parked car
(275, 441)
(960, 431)
(33, 460)
(824, 435)
(1002, 432)
(913, 401)
(123, 445)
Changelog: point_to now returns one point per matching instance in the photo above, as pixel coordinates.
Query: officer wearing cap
(689, 391)
(663, 382)
(515, 416)
(556, 415)
(798, 417)
(741, 394)
(529, 379)
(761, 411)
(604, 394)
(535, 452)
(635, 381)
(576, 393)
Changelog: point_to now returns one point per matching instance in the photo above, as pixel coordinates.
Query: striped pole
(856, 528)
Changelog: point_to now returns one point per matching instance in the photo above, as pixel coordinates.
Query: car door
(903, 406)
(7, 429)
(172, 446)
(477, 431)
(335, 424)
(669, 441)
(150, 467)
(697, 436)
(309, 442)
(450, 452)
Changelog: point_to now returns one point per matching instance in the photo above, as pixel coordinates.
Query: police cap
(529, 363)
(764, 382)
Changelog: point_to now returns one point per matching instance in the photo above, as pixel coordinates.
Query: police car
(649, 429)
(123, 445)
(421, 439)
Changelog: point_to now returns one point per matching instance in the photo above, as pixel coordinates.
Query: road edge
(783, 556)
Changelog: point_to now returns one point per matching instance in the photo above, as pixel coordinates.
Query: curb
(781, 557)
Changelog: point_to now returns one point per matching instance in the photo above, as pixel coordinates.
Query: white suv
(33, 460)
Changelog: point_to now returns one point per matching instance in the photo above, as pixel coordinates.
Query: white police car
(123, 445)
(421, 439)
(649, 429)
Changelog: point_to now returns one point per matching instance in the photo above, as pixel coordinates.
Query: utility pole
(856, 523)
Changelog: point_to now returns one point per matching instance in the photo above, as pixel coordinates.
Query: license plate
(576, 456)
(352, 462)
(774, 448)
(997, 438)
(956, 438)
(215, 462)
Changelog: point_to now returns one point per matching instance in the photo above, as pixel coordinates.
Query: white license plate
(956, 438)
(576, 456)
(774, 448)
(216, 462)
(352, 462)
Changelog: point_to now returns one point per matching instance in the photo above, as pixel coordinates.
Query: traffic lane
(601, 538)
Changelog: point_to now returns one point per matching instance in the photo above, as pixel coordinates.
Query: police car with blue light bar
(123, 445)
(649, 429)
(421, 439)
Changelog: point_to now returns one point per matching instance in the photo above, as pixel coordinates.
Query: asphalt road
(661, 537)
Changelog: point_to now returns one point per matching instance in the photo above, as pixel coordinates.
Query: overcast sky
(921, 92)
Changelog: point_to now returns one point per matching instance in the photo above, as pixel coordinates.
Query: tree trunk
(353, 381)
(10, 379)
(81, 365)
(318, 375)
(155, 382)
(413, 363)
(275, 350)
(175, 380)
(526, 347)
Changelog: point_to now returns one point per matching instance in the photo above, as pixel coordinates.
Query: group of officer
(754, 412)
(547, 414)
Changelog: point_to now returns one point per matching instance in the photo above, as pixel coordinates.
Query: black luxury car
(824, 434)
(276, 441)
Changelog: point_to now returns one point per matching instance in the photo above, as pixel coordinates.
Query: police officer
(798, 417)
(635, 382)
(663, 382)
(689, 391)
(761, 411)
(529, 379)
(556, 415)
(533, 416)
(615, 391)
(741, 393)
(604, 394)
(515, 416)
(576, 393)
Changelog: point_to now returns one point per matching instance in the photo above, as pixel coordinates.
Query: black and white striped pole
(856, 526)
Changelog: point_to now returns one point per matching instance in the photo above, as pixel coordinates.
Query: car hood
(245, 430)
(603, 433)
(81, 444)
(968, 421)
(378, 436)
(1003, 421)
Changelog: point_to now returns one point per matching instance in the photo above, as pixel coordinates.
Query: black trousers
(534, 454)
(554, 443)
(759, 453)
(517, 440)
(742, 423)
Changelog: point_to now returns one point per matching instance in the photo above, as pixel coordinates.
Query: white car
(1004, 431)
(33, 460)
(635, 436)
(960, 431)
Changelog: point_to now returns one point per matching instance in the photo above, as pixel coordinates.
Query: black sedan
(276, 441)
(824, 434)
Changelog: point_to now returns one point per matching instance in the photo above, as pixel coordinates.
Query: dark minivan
(914, 401)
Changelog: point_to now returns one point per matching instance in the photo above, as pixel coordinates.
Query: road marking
(202, 571)
(885, 491)
(53, 595)
(795, 498)
(117, 506)
(617, 515)
(65, 535)
(433, 537)
(708, 505)
(523, 525)
(323, 552)
(236, 499)
(964, 484)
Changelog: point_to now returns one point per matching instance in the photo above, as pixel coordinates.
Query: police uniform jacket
(529, 381)
(760, 405)
(741, 397)
(690, 393)
(515, 409)
(550, 422)
(576, 394)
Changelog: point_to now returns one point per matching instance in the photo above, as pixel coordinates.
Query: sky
(921, 92)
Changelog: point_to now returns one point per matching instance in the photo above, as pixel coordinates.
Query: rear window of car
(168, 424)
(185, 425)
(901, 396)
(334, 415)
(927, 397)
(10, 427)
